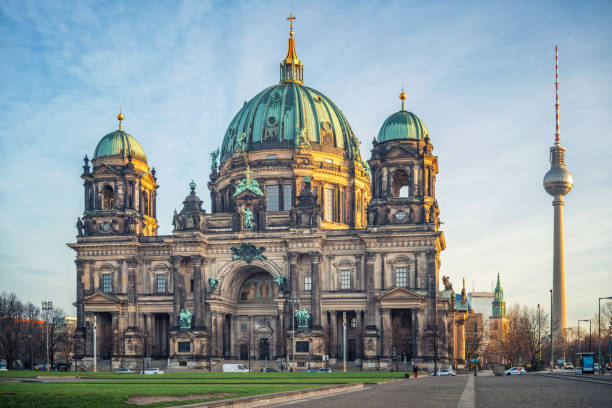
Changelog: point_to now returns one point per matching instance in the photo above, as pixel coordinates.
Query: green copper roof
(275, 116)
(117, 144)
(402, 125)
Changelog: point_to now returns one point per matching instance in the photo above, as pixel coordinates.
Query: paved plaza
(470, 392)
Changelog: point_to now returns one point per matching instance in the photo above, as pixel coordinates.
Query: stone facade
(293, 225)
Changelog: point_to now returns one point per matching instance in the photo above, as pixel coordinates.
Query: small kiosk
(587, 362)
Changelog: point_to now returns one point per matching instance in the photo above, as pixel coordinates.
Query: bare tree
(32, 333)
(11, 328)
(476, 335)
(525, 337)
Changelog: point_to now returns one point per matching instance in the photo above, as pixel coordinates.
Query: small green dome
(117, 144)
(402, 125)
(273, 117)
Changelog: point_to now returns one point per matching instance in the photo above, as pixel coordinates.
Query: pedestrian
(415, 371)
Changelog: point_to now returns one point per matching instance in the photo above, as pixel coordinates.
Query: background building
(481, 302)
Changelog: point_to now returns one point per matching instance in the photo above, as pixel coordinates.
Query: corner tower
(120, 190)
(403, 170)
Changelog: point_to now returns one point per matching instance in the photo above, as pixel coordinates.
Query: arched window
(108, 198)
(401, 184)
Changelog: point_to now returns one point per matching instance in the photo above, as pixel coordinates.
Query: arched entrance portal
(252, 330)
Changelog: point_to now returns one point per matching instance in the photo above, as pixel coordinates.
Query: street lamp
(344, 339)
(599, 332)
(552, 360)
(293, 300)
(584, 320)
(47, 306)
(539, 338)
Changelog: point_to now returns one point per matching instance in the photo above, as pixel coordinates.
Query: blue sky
(479, 74)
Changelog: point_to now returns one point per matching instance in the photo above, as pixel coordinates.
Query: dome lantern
(291, 68)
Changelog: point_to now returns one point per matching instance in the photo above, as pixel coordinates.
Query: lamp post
(584, 320)
(590, 336)
(293, 300)
(552, 360)
(47, 306)
(95, 351)
(344, 339)
(599, 332)
(539, 338)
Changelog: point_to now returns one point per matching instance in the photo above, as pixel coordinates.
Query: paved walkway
(530, 390)
(421, 392)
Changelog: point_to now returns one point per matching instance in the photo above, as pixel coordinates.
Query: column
(333, 333)
(432, 291)
(176, 290)
(387, 333)
(358, 273)
(80, 316)
(461, 340)
(131, 264)
(281, 334)
(315, 303)
(152, 339)
(252, 350)
(220, 319)
(293, 258)
(116, 336)
(359, 341)
(92, 270)
(370, 317)
(197, 291)
(213, 333)
(415, 331)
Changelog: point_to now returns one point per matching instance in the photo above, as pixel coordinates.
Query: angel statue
(185, 319)
(302, 317)
(214, 155)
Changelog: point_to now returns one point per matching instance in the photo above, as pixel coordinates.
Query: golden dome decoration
(402, 96)
(120, 118)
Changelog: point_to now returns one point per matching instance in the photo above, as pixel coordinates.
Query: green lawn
(116, 395)
(113, 389)
(216, 377)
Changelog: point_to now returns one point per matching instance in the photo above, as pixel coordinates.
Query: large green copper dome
(402, 125)
(273, 117)
(118, 144)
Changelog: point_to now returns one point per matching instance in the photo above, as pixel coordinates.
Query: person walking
(415, 371)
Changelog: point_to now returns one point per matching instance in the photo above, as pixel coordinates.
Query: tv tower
(558, 182)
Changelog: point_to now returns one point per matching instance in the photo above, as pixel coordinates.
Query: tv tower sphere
(558, 181)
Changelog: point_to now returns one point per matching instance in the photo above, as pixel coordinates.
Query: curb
(277, 397)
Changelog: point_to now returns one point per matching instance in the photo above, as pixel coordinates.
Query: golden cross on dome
(291, 18)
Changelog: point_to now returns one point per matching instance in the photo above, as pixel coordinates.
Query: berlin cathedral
(305, 240)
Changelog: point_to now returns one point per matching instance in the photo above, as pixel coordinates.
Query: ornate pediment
(399, 151)
(101, 298)
(400, 298)
(105, 169)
